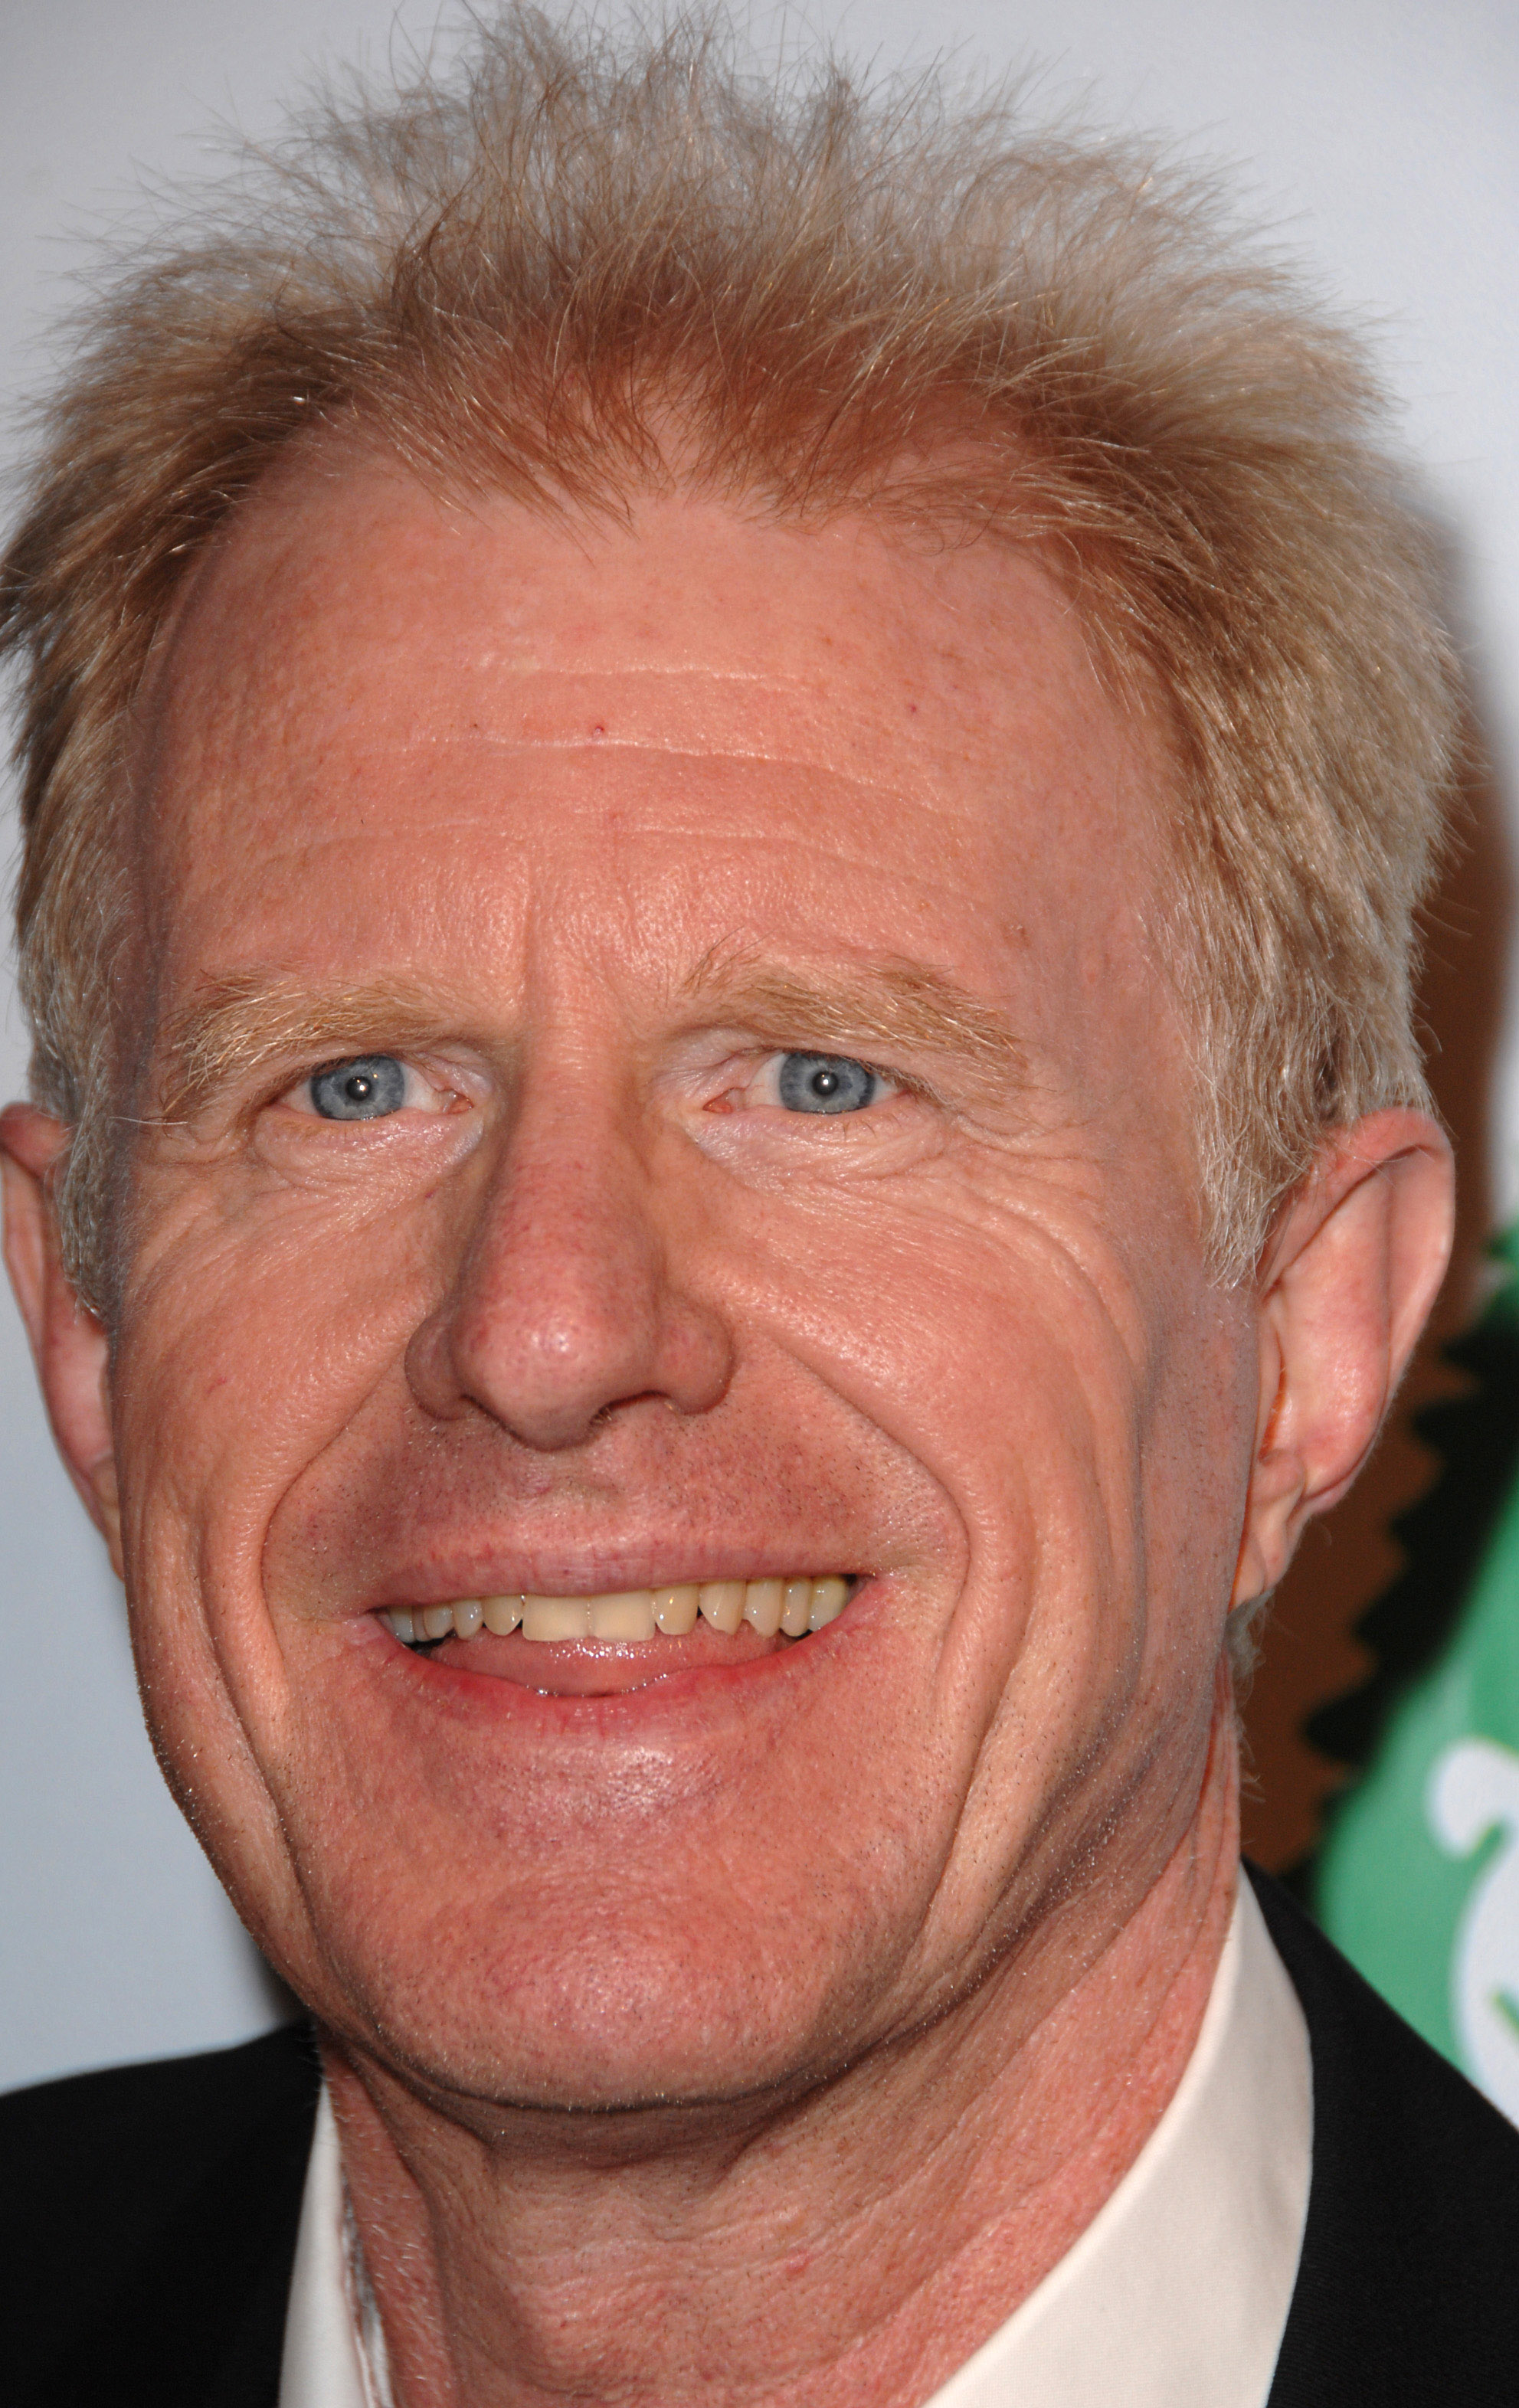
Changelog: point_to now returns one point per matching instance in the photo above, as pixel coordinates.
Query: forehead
(363, 663)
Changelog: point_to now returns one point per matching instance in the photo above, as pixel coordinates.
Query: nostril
(610, 1412)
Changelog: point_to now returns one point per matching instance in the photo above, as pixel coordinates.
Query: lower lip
(589, 1667)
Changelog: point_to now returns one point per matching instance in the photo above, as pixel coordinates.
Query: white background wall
(1381, 136)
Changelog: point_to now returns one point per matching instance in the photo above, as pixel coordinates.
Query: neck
(854, 2245)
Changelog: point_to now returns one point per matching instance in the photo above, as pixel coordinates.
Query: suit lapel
(1407, 2286)
(197, 2316)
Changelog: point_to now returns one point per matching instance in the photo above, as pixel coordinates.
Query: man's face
(580, 841)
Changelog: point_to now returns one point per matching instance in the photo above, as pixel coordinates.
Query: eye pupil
(364, 1090)
(826, 1082)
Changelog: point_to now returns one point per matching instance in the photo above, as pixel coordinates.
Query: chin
(637, 1975)
(627, 2020)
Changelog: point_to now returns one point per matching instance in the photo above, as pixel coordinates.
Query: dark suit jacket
(150, 2220)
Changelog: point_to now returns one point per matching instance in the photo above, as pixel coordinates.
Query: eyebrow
(899, 1006)
(235, 1027)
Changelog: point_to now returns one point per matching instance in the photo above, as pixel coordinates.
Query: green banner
(1418, 1878)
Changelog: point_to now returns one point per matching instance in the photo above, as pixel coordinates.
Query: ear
(1346, 1285)
(69, 1346)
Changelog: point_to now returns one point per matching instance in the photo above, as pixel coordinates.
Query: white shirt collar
(1177, 2290)
(335, 2347)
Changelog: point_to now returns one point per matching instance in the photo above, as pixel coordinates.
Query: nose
(566, 1305)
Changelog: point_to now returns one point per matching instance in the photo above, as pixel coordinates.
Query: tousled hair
(520, 274)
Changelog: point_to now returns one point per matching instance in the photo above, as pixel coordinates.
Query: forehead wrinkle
(590, 671)
(891, 1003)
(233, 1025)
(926, 789)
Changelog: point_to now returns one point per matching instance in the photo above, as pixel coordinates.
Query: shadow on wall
(281, 2005)
(1377, 1584)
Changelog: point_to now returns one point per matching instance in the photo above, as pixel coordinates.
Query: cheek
(1105, 1630)
(247, 1342)
(1090, 1414)
(1200, 1461)
(249, 1335)
(1005, 1358)
(1015, 1362)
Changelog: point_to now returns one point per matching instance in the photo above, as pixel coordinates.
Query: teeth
(763, 1603)
(556, 1617)
(794, 1607)
(676, 1609)
(721, 1604)
(628, 1613)
(830, 1599)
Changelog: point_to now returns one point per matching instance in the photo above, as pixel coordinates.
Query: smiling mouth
(790, 1608)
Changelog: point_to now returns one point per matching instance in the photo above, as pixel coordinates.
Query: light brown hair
(846, 298)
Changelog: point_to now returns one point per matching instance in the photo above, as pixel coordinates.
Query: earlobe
(1354, 1266)
(69, 1345)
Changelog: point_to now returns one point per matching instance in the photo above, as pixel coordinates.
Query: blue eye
(826, 1082)
(364, 1089)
